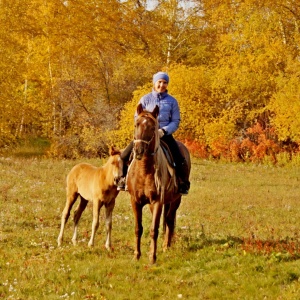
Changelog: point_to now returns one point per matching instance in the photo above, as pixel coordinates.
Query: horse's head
(145, 132)
(116, 164)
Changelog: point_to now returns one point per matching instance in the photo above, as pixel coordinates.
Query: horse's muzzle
(116, 180)
(139, 156)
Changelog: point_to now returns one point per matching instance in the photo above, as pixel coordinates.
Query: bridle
(144, 141)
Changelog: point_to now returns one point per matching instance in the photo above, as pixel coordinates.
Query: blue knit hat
(160, 75)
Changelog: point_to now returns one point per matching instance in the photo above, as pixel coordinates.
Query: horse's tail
(165, 213)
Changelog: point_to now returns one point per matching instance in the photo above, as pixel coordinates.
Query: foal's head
(116, 164)
(145, 132)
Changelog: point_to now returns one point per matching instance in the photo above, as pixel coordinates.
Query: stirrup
(121, 184)
(183, 190)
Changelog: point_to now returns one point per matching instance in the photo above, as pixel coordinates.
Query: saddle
(167, 153)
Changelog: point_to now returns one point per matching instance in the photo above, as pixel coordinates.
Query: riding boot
(122, 182)
(125, 156)
(182, 172)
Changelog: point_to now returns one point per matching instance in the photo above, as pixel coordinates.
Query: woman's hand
(161, 133)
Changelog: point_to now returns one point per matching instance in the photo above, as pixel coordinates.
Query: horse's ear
(155, 112)
(139, 108)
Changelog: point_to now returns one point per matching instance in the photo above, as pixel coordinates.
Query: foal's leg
(137, 211)
(108, 222)
(156, 209)
(169, 222)
(97, 204)
(71, 198)
(77, 215)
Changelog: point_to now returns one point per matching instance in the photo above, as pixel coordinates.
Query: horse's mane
(162, 168)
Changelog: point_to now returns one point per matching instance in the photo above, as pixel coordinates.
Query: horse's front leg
(108, 222)
(137, 211)
(97, 204)
(156, 209)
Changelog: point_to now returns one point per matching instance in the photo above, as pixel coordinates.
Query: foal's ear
(139, 109)
(113, 151)
(155, 112)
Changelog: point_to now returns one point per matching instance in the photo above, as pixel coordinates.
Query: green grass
(237, 237)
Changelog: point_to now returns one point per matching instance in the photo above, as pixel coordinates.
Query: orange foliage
(259, 143)
(197, 149)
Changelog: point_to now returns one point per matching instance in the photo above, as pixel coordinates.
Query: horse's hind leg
(169, 222)
(108, 222)
(71, 198)
(97, 204)
(77, 215)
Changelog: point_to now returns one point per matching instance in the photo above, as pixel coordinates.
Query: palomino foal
(95, 184)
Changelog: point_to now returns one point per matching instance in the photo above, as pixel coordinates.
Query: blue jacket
(169, 113)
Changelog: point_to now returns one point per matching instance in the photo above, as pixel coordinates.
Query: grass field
(237, 237)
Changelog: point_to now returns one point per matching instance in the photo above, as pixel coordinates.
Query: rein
(143, 141)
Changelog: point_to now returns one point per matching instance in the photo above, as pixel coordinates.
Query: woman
(168, 119)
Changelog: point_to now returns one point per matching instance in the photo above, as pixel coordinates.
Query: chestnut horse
(95, 184)
(151, 180)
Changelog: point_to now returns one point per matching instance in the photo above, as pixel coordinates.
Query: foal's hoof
(137, 256)
(109, 249)
(152, 260)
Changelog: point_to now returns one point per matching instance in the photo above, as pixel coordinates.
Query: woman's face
(160, 86)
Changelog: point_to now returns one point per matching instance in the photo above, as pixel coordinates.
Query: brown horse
(95, 184)
(151, 180)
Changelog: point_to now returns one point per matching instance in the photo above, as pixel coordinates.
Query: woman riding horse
(151, 181)
(168, 119)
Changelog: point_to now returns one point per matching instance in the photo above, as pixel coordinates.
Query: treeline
(72, 71)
